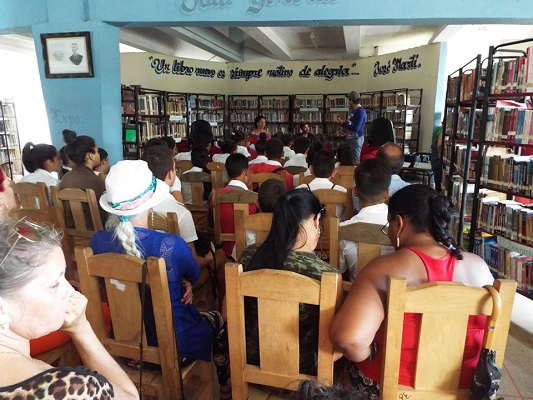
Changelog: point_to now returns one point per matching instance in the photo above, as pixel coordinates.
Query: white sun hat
(131, 188)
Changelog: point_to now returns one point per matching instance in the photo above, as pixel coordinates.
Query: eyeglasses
(385, 229)
(24, 229)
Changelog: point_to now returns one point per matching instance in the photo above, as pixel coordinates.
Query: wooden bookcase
(309, 109)
(209, 107)
(10, 153)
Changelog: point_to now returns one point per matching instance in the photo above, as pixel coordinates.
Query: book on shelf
(509, 172)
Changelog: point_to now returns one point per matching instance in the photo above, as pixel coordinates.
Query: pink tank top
(438, 269)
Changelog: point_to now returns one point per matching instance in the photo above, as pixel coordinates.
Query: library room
(206, 199)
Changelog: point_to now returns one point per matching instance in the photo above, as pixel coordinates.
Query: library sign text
(306, 72)
(161, 66)
(255, 6)
(396, 65)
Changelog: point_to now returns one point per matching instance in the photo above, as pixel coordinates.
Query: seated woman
(32, 279)
(381, 132)
(289, 246)
(131, 192)
(418, 228)
(42, 162)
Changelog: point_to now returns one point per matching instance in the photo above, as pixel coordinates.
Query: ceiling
(300, 43)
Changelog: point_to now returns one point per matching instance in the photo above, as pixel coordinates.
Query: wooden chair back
(67, 353)
(48, 216)
(330, 198)
(305, 179)
(182, 166)
(78, 216)
(259, 223)
(278, 305)
(345, 177)
(125, 306)
(295, 169)
(219, 176)
(445, 308)
(198, 208)
(241, 199)
(369, 238)
(31, 196)
(168, 223)
(259, 177)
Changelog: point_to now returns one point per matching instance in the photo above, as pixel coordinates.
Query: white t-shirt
(242, 150)
(376, 214)
(258, 159)
(176, 186)
(221, 157)
(288, 152)
(183, 156)
(41, 175)
(325, 183)
(296, 177)
(185, 221)
(299, 160)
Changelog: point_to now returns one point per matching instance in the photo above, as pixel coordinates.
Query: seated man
(274, 152)
(372, 180)
(301, 146)
(160, 161)
(391, 155)
(237, 169)
(323, 168)
(288, 140)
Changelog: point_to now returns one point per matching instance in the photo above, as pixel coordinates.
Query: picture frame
(67, 55)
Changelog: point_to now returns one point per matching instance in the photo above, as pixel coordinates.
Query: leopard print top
(61, 383)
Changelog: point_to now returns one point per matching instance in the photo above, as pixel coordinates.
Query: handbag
(487, 377)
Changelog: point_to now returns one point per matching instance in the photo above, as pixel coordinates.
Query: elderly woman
(418, 229)
(32, 279)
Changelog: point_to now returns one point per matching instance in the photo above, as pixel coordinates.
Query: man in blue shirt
(354, 127)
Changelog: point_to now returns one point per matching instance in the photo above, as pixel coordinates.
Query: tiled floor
(517, 378)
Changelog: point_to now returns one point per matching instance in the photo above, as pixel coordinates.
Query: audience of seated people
(288, 141)
(260, 150)
(274, 153)
(344, 156)
(301, 147)
(323, 168)
(242, 148)
(381, 132)
(372, 180)
(201, 135)
(127, 201)
(104, 166)
(42, 162)
(199, 159)
(392, 156)
(227, 147)
(290, 246)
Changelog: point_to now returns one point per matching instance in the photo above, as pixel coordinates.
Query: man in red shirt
(274, 153)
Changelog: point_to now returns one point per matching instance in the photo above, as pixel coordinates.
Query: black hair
(427, 211)
(228, 146)
(274, 149)
(381, 132)
(269, 192)
(34, 156)
(169, 140)
(236, 163)
(323, 164)
(68, 136)
(160, 160)
(199, 157)
(345, 155)
(103, 154)
(290, 212)
(260, 145)
(77, 149)
(201, 133)
(391, 155)
(63, 155)
(287, 138)
(302, 125)
(312, 390)
(301, 144)
(259, 118)
(316, 147)
(372, 179)
(238, 135)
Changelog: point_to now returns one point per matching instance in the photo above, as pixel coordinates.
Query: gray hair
(21, 258)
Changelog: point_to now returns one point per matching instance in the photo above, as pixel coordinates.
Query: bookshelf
(336, 106)
(242, 112)
(309, 109)
(371, 102)
(502, 226)
(459, 155)
(177, 115)
(277, 111)
(209, 107)
(10, 154)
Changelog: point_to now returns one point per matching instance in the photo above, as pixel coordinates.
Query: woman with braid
(418, 228)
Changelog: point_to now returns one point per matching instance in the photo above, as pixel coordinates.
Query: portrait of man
(75, 58)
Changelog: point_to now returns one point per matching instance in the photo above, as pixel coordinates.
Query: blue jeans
(355, 144)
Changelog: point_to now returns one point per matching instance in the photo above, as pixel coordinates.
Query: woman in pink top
(418, 229)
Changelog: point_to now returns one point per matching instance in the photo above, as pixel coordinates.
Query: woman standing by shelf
(260, 127)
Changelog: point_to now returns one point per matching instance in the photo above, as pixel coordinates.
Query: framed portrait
(67, 55)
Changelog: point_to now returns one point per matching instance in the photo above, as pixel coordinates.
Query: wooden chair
(241, 199)
(182, 166)
(48, 216)
(125, 306)
(31, 196)
(305, 179)
(330, 198)
(78, 216)
(198, 208)
(295, 169)
(278, 319)
(345, 177)
(219, 176)
(445, 308)
(67, 353)
(259, 177)
(369, 238)
(168, 223)
(259, 223)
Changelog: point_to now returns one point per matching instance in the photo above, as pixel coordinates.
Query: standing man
(354, 127)
(75, 58)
